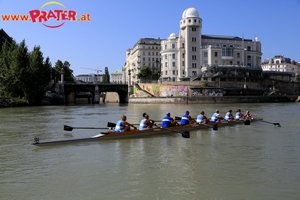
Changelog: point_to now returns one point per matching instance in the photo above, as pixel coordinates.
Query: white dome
(172, 36)
(190, 12)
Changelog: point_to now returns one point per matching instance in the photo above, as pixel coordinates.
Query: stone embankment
(224, 99)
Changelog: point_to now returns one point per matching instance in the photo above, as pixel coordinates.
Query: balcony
(227, 57)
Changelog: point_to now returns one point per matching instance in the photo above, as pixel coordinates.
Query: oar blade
(277, 124)
(185, 134)
(68, 128)
(177, 118)
(111, 125)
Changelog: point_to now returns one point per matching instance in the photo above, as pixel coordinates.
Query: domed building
(191, 55)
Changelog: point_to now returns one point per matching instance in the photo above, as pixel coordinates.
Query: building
(4, 37)
(279, 63)
(146, 52)
(89, 78)
(193, 56)
(117, 77)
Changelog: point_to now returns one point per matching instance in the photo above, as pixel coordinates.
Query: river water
(260, 161)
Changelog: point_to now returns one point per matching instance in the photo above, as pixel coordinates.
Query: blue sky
(117, 25)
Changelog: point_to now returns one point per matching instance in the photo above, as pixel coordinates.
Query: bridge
(95, 89)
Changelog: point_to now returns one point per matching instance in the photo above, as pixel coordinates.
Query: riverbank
(223, 99)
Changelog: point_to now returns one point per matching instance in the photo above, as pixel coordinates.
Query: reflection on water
(259, 161)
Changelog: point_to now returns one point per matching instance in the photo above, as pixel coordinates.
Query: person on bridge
(122, 125)
(145, 123)
(168, 121)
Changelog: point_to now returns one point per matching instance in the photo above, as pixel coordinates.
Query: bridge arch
(95, 89)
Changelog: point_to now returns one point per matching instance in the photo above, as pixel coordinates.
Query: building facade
(191, 55)
(117, 77)
(89, 78)
(279, 63)
(146, 52)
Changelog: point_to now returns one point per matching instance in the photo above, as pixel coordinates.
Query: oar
(275, 124)
(70, 128)
(185, 134)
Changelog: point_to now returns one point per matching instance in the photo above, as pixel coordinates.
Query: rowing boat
(137, 133)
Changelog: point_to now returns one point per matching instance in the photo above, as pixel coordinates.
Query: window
(166, 72)
(195, 20)
(166, 56)
(227, 52)
(205, 55)
(152, 53)
(238, 55)
(166, 64)
(152, 59)
(194, 29)
(157, 53)
(173, 55)
(182, 71)
(166, 46)
(194, 49)
(182, 45)
(144, 53)
(183, 63)
(173, 72)
(216, 54)
(238, 62)
(173, 46)
(249, 58)
(216, 62)
(194, 39)
(144, 59)
(182, 55)
(194, 57)
(149, 59)
(189, 20)
(174, 64)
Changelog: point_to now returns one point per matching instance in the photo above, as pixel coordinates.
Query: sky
(116, 25)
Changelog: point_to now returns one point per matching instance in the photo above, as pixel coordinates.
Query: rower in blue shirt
(216, 117)
(228, 116)
(168, 121)
(187, 119)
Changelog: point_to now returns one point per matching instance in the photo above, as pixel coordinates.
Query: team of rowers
(122, 125)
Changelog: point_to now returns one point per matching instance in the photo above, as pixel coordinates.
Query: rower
(122, 125)
(201, 118)
(168, 121)
(216, 117)
(145, 123)
(239, 115)
(187, 119)
(247, 115)
(228, 116)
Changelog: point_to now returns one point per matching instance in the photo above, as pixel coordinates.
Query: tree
(145, 73)
(298, 78)
(106, 76)
(23, 74)
(62, 68)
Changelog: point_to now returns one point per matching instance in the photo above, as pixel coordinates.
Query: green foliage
(145, 73)
(298, 78)
(106, 76)
(62, 68)
(25, 75)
